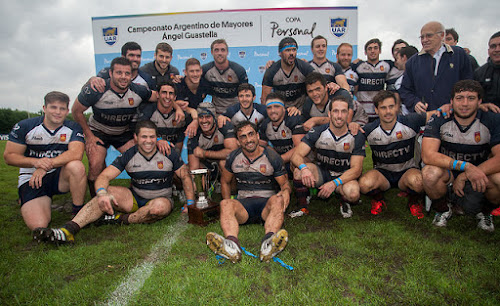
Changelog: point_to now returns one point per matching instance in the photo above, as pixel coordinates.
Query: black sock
(267, 235)
(234, 239)
(376, 194)
(76, 209)
(124, 219)
(72, 227)
(91, 188)
(301, 193)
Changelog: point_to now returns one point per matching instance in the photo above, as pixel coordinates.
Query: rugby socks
(440, 205)
(123, 218)
(91, 188)
(76, 209)
(414, 197)
(235, 240)
(376, 194)
(72, 227)
(267, 236)
(301, 193)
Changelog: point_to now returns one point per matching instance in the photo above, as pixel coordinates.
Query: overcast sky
(48, 45)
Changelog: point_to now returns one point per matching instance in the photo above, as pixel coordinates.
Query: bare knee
(75, 168)
(227, 206)
(431, 175)
(276, 204)
(161, 209)
(415, 183)
(351, 191)
(366, 184)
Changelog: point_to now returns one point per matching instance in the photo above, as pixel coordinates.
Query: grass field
(388, 259)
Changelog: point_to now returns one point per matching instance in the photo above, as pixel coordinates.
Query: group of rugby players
(311, 127)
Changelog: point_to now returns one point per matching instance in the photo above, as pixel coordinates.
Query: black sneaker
(108, 219)
(57, 236)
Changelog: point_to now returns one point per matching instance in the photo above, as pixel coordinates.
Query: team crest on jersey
(262, 69)
(62, 137)
(229, 78)
(263, 168)
(327, 70)
(338, 26)
(110, 35)
(160, 164)
(172, 75)
(242, 54)
(296, 78)
(381, 68)
(399, 135)
(216, 139)
(131, 101)
(283, 133)
(203, 56)
(477, 136)
(256, 121)
(346, 146)
(174, 122)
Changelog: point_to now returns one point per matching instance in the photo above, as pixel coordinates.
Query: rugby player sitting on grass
(148, 200)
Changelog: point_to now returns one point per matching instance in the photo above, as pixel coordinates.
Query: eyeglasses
(429, 35)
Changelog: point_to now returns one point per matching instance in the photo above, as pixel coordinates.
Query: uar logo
(338, 26)
(110, 35)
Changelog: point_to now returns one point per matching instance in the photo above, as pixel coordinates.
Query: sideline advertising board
(252, 35)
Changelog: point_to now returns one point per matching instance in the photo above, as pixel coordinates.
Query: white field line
(137, 276)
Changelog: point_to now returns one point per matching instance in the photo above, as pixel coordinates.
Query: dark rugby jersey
(113, 112)
(156, 76)
(223, 85)
(281, 136)
(292, 86)
(472, 143)
(234, 113)
(168, 128)
(215, 142)
(392, 77)
(394, 150)
(142, 78)
(185, 94)
(352, 79)
(40, 142)
(257, 178)
(150, 178)
(371, 79)
(334, 153)
(328, 69)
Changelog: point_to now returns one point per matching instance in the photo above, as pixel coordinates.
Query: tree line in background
(9, 117)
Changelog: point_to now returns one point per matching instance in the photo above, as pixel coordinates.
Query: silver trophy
(201, 181)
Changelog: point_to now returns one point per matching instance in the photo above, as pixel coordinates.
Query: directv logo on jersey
(110, 35)
(338, 26)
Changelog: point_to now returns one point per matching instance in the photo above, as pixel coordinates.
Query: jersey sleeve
(269, 74)
(176, 160)
(19, 131)
(295, 123)
(104, 73)
(88, 97)
(142, 91)
(77, 134)
(262, 130)
(338, 69)
(240, 73)
(432, 128)
(359, 145)
(277, 163)
(228, 131)
(230, 159)
(193, 142)
(145, 111)
(312, 136)
(306, 109)
(122, 160)
(232, 110)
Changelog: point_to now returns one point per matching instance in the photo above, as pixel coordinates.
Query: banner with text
(252, 35)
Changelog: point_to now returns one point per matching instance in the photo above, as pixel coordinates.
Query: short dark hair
(243, 124)
(317, 38)
(119, 61)
(147, 124)
(287, 41)
(408, 51)
(314, 77)
(166, 83)
(163, 46)
(497, 34)
(397, 42)
(373, 41)
(218, 41)
(339, 98)
(382, 95)
(54, 96)
(452, 32)
(274, 95)
(246, 86)
(467, 85)
(131, 45)
(192, 61)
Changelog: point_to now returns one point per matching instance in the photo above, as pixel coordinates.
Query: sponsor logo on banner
(262, 69)
(242, 54)
(346, 146)
(338, 26)
(62, 137)
(477, 136)
(263, 168)
(399, 135)
(110, 35)
(160, 164)
(203, 56)
(131, 101)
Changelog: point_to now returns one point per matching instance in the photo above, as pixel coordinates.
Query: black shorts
(472, 202)
(50, 187)
(324, 176)
(116, 141)
(392, 177)
(254, 207)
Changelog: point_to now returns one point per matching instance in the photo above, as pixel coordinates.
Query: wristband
(190, 202)
(338, 182)
(97, 191)
(462, 166)
(158, 139)
(439, 110)
(454, 166)
(302, 166)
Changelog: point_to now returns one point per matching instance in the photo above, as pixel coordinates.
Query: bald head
(431, 36)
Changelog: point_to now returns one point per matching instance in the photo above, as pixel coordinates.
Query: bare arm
(285, 190)
(225, 184)
(342, 81)
(102, 181)
(299, 154)
(296, 141)
(230, 144)
(187, 182)
(77, 111)
(265, 91)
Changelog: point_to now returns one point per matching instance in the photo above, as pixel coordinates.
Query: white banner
(252, 35)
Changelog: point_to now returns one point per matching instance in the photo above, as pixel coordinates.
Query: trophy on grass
(204, 210)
